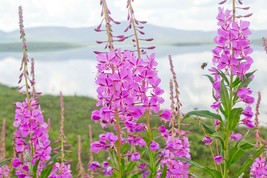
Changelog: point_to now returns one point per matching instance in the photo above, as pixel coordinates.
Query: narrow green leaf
(246, 146)
(223, 76)
(207, 128)
(122, 165)
(34, 169)
(245, 83)
(234, 117)
(210, 78)
(2, 163)
(47, 170)
(130, 166)
(203, 113)
(235, 155)
(138, 174)
(125, 148)
(49, 166)
(214, 173)
(249, 161)
(164, 172)
(236, 82)
(238, 151)
(53, 158)
(225, 98)
(248, 75)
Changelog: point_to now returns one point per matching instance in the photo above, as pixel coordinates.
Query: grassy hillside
(77, 118)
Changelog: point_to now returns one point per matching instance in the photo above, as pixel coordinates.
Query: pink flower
(61, 170)
(16, 162)
(94, 165)
(248, 112)
(216, 105)
(111, 137)
(218, 159)
(4, 171)
(154, 146)
(97, 146)
(135, 156)
(248, 122)
(236, 137)
(216, 122)
(166, 114)
(207, 140)
(259, 168)
(108, 171)
(243, 94)
(95, 115)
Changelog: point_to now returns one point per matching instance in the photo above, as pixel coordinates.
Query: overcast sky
(181, 14)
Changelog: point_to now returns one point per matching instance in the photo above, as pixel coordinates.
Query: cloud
(183, 14)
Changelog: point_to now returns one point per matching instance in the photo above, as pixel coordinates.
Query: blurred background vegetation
(77, 119)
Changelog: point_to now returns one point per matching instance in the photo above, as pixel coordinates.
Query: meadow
(125, 132)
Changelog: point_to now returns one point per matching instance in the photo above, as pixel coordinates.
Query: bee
(203, 65)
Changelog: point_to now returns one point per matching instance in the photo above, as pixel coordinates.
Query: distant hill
(88, 36)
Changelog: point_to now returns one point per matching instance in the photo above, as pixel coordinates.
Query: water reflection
(73, 75)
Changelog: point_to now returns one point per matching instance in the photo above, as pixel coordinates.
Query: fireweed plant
(129, 93)
(230, 78)
(61, 168)
(31, 142)
(4, 168)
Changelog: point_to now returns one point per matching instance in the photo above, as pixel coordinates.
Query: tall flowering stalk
(3, 141)
(175, 139)
(80, 168)
(107, 20)
(128, 91)
(91, 157)
(137, 27)
(32, 144)
(230, 78)
(4, 169)
(61, 168)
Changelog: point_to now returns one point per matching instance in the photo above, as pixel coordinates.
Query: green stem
(226, 154)
(148, 125)
(227, 129)
(118, 144)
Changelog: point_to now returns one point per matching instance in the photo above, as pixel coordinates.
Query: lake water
(73, 72)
